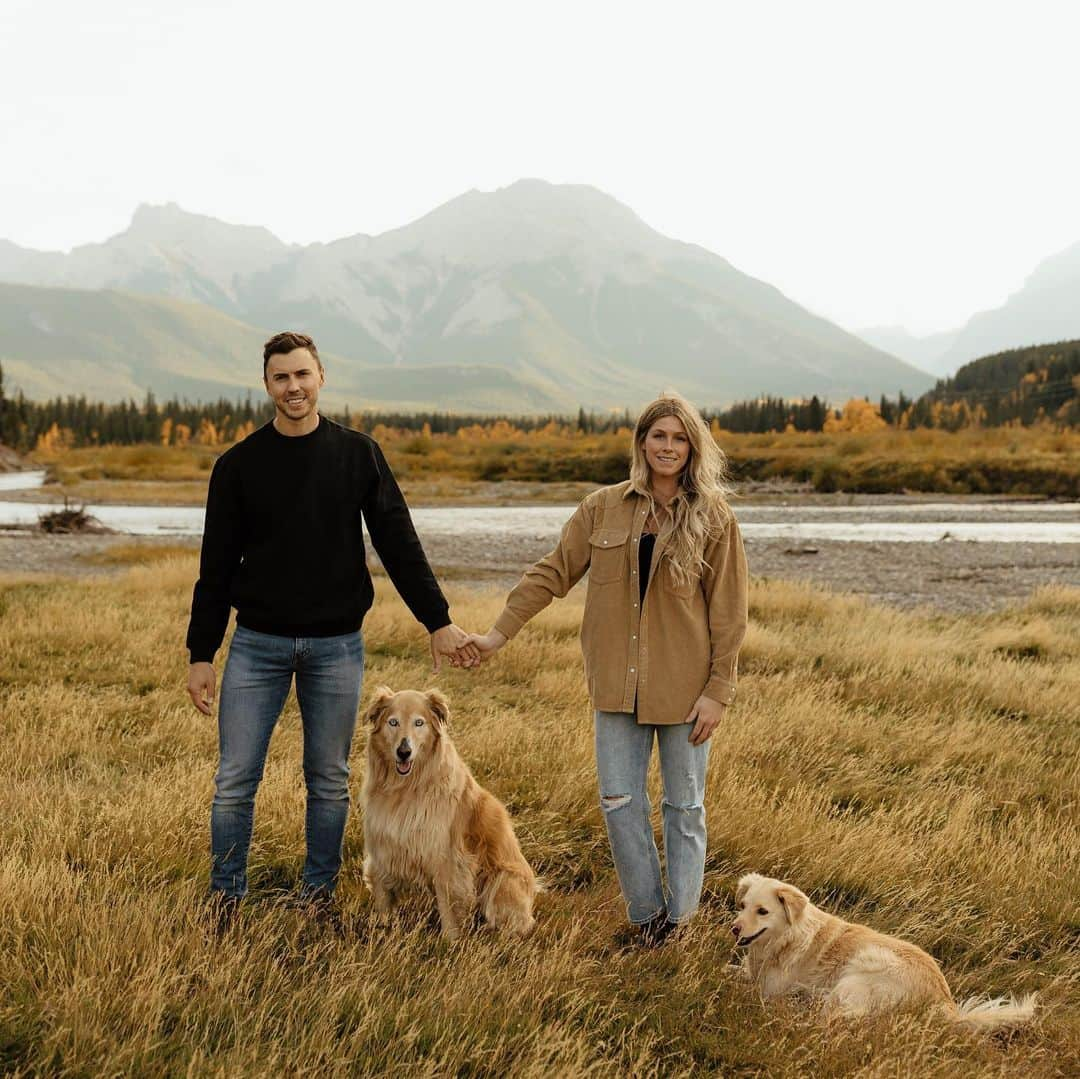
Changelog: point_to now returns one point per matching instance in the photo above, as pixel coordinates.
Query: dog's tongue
(404, 770)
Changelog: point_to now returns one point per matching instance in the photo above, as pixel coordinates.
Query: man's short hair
(281, 344)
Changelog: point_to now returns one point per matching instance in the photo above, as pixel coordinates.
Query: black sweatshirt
(283, 541)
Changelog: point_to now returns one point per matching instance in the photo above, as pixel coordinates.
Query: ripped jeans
(623, 749)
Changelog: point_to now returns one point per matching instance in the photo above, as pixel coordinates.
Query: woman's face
(667, 447)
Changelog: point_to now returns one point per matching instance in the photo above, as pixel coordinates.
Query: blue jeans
(623, 749)
(257, 678)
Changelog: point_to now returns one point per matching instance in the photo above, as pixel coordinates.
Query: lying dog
(792, 945)
(427, 822)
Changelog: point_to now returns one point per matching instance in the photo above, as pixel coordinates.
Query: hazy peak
(540, 197)
(527, 220)
(1062, 268)
(168, 223)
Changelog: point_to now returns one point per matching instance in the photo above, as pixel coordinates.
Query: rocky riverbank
(950, 576)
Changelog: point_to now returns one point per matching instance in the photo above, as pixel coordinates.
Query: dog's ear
(383, 696)
(440, 708)
(744, 886)
(793, 901)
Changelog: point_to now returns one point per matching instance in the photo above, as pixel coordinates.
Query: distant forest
(1019, 387)
(1024, 385)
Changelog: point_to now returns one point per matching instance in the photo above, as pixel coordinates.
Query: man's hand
(200, 686)
(452, 642)
(705, 715)
(488, 644)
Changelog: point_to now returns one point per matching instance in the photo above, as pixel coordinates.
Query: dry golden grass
(1037, 460)
(122, 492)
(424, 491)
(138, 554)
(916, 772)
(144, 461)
(561, 466)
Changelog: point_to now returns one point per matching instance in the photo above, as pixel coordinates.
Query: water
(997, 522)
(21, 481)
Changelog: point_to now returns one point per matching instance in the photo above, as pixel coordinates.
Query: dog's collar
(747, 941)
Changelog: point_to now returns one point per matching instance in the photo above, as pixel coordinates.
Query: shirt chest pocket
(682, 589)
(607, 555)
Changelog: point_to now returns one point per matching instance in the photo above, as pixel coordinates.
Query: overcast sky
(879, 162)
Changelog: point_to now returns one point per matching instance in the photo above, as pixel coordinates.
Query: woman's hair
(700, 510)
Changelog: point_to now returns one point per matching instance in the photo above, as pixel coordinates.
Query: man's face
(293, 380)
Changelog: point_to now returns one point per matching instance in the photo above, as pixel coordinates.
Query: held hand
(705, 715)
(200, 686)
(487, 644)
(452, 642)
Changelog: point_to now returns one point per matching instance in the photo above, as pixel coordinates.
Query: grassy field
(916, 772)
(424, 491)
(480, 466)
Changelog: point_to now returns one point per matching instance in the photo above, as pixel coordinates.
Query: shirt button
(631, 670)
(633, 637)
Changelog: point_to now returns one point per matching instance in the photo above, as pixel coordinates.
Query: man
(283, 544)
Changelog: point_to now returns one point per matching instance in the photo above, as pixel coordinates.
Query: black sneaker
(224, 910)
(320, 906)
(655, 931)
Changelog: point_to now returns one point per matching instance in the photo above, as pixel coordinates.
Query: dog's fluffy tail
(987, 1014)
(508, 900)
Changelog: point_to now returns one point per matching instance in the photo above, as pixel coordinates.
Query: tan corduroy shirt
(682, 642)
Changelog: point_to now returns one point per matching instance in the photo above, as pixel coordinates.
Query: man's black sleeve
(222, 548)
(399, 549)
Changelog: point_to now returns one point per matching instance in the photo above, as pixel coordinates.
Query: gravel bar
(947, 575)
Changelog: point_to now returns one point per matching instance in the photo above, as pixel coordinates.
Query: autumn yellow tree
(858, 417)
(55, 439)
(208, 433)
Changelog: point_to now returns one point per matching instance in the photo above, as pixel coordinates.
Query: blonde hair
(700, 510)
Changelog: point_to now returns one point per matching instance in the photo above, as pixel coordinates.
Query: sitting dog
(427, 821)
(792, 945)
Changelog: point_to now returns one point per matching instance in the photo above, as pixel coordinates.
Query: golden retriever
(791, 945)
(428, 823)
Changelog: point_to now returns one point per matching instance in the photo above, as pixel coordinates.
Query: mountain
(923, 352)
(165, 251)
(113, 345)
(558, 293)
(1045, 309)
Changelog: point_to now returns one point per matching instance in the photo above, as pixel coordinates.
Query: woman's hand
(705, 715)
(452, 642)
(487, 644)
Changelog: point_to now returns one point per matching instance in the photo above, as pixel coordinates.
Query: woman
(665, 614)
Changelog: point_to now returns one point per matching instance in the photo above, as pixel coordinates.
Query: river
(887, 521)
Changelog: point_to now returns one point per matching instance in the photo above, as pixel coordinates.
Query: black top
(644, 554)
(283, 541)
